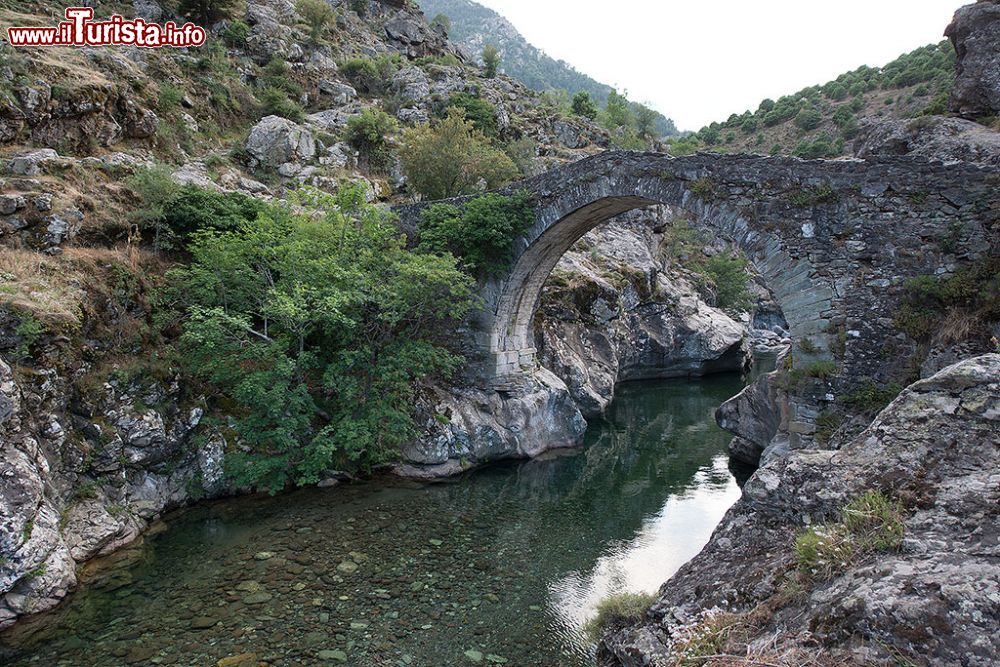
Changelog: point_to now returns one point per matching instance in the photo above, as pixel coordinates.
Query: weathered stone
(933, 137)
(275, 140)
(975, 34)
(33, 163)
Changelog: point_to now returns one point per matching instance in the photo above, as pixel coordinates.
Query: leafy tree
(645, 122)
(205, 12)
(584, 106)
(155, 187)
(491, 60)
(617, 112)
(316, 332)
(452, 158)
(481, 233)
(367, 132)
(478, 111)
(808, 119)
(729, 277)
(318, 14)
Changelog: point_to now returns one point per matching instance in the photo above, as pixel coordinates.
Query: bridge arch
(612, 184)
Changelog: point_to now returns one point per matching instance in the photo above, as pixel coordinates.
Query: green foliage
(617, 112)
(818, 147)
(29, 331)
(236, 33)
(703, 188)
(367, 132)
(371, 75)
(813, 195)
(645, 122)
(868, 525)
(481, 233)
(316, 332)
(478, 111)
(617, 611)
(275, 101)
(951, 307)
(452, 158)
(522, 153)
(827, 424)
(808, 119)
(491, 60)
(584, 106)
(169, 97)
(871, 398)
(729, 277)
(318, 14)
(155, 187)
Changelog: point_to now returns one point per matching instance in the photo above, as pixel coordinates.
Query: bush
(871, 398)
(316, 333)
(481, 234)
(275, 101)
(729, 277)
(318, 14)
(236, 33)
(371, 75)
(749, 126)
(169, 97)
(808, 119)
(155, 187)
(491, 60)
(452, 158)
(617, 611)
(584, 106)
(205, 12)
(868, 525)
(366, 132)
(478, 111)
(820, 147)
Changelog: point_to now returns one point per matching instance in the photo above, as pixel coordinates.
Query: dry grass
(54, 290)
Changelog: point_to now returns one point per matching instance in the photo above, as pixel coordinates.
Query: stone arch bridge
(834, 241)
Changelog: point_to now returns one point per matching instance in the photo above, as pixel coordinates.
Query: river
(503, 566)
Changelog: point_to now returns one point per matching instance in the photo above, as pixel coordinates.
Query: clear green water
(508, 562)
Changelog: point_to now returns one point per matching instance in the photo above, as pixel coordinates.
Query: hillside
(824, 120)
(473, 26)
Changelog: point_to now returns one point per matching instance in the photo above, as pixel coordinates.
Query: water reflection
(509, 562)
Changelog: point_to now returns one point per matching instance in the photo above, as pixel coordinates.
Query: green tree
(617, 112)
(367, 133)
(584, 106)
(481, 234)
(491, 60)
(478, 111)
(442, 22)
(729, 277)
(317, 332)
(645, 122)
(452, 158)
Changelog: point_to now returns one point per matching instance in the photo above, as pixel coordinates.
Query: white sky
(698, 61)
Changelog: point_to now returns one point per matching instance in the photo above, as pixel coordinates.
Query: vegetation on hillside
(820, 121)
(314, 327)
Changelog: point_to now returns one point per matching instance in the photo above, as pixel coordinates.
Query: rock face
(82, 477)
(754, 416)
(933, 137)
(975, 33)
(275, 141)
(471, 427)
(615, 310)
(932, 602)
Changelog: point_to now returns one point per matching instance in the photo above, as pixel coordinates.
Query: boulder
(276, 140)
(932, 601)
(975, 34)
(411, 84)
(32, 163)
(341, 93)
(753, 416)
(934, 137)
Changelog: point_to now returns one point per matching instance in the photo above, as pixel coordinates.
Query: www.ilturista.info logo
(79, 30)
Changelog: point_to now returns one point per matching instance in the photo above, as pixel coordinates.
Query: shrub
(236, 33)
(371, 75)
(316, 332)
(478, 111)
(205, 12)
(366, 132)
(452, 158)
(155, 187)
(617, 611)
(584, 106)
(176, 212)
(749, 126)
(318, 14)
(729, 277)
(275, 101)
(869, 524)
(808, 119)
(820, 147)
(491, 60)
(522, 153)
(871, 398)
(29, 331)
(616, 111)
(169, 97)
(277, 74)
(481, 234)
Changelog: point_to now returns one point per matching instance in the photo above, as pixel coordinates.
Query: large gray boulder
(975, 33)
(932, 602)
(276, 140)
(411, 84)
(933, 137)
(754, 417)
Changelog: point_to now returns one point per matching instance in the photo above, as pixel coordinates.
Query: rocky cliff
(920, 588)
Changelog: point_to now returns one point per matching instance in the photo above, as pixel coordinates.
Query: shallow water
(502, 567)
